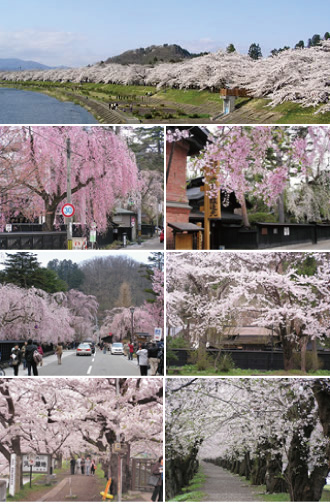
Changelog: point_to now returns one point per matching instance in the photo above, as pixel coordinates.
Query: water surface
(28, 107)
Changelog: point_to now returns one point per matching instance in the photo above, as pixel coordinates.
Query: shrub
(261, 217)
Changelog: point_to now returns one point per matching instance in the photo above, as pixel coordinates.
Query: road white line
(93, 359)
(89, 370)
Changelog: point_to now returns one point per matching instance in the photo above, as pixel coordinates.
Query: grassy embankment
(290, 113)
(192, 370)
(192, 492)
(260, 491)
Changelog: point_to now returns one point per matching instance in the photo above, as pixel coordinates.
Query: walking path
(86, 489)
(223, 486)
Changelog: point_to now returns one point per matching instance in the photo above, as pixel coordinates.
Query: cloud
(48, 47)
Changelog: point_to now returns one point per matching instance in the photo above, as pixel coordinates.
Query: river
(28, 107)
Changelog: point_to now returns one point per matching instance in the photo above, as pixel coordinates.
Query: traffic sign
(132, 221)
(68, 210)
(158, 334)
(92, 236)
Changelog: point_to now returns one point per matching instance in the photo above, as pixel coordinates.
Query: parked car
(117, 349)
(84, 349)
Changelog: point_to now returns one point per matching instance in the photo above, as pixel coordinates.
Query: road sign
(158, 334)
(68, 210)
(92, 236)
(9, 228)
(79, 243)
(132, 221)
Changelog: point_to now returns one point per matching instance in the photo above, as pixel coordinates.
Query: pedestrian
(157, 470)
(93, 467)
(88, 466)
(78, 465)
(153, 359)
(72, 465)
(31, 363)
(23, 354)
(130, 351)
(143, 361)
(82, 465)
(15, 359)
(40, 350)
(137, 355)
(59, 352)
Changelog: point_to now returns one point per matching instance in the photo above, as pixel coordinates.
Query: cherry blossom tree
(103, 170)
(208, 291)
(146, 317)
(266, 163)
(267, 430)
(102, 412)
(293, 75)
(33, 313)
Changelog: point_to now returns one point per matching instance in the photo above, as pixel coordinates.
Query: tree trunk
(303, 350)
(287, 353)
(315, 360)
(280, 207)
(245, 216)
(275, 482)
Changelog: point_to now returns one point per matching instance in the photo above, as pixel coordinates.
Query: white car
(117, 349)
(84, 349)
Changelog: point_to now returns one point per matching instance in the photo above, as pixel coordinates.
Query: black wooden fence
(268, 235)
(265, 360)
(55, 240)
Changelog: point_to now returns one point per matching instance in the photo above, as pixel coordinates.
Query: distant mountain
(15, 64)
(153, 54)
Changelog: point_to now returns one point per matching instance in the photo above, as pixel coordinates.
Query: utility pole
(139, 216)
(119, 459)
(68, 192)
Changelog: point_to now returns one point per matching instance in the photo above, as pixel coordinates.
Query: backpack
(37, 357)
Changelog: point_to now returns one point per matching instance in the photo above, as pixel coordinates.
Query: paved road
(223, 486)
(98, 364)
(152, 244)
(322, 245)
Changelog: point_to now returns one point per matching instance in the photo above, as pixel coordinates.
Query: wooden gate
(141, 470)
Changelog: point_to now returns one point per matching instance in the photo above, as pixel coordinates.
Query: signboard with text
(158, 334)
(40, 463)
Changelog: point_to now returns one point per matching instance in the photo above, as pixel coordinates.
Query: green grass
(291, 113)
(260, 491)
(192, 492)
(189, 96)
(191, 369)
(23, 493)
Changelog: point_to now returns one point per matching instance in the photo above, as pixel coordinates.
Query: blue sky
(79, 32)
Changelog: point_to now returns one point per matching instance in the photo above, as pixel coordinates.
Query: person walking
(157, 470)
(143, 361)
(15, 359)
(93, 467)
(31, 364)
(40, 350)
(88, 466)
(153, 359)
(130, 351)
(59, 352)
(78, 465)
(23, 355)
(82, 465)
(72, 465)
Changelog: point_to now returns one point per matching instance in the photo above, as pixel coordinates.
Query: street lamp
(132, 312)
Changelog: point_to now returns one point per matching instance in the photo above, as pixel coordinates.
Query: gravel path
(223, 486)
